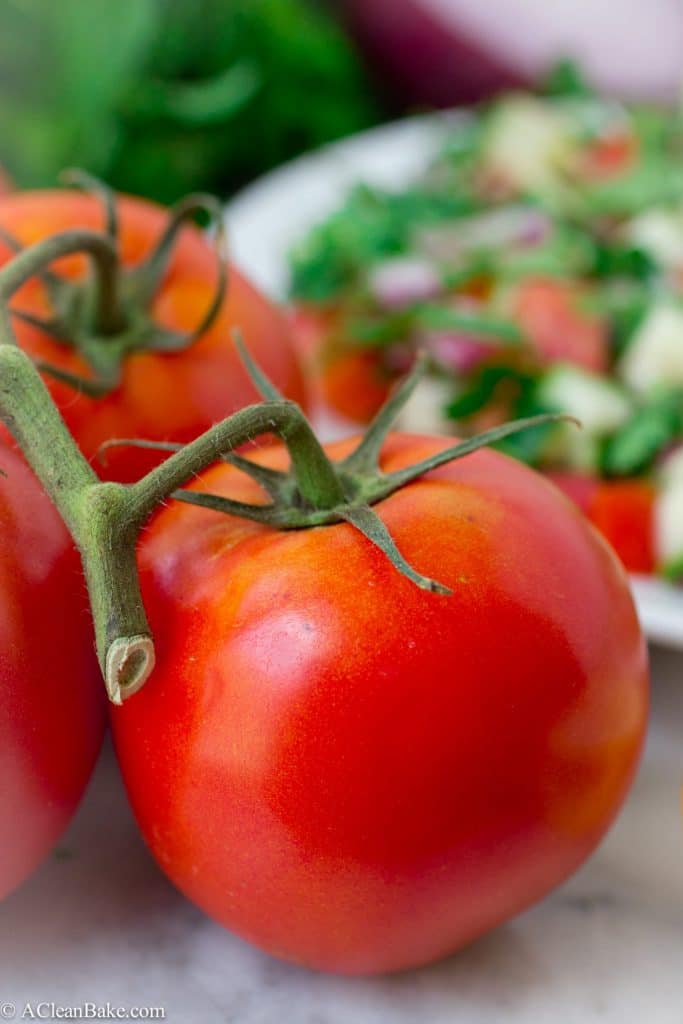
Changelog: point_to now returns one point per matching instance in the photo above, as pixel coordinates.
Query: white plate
(266, 219)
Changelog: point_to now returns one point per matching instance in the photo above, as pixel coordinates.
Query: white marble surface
(99, 923)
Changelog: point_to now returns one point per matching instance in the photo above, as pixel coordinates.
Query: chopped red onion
(455, 352)
(401, 282)
(506, 226)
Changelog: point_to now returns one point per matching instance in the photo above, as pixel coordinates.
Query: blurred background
(161, 97)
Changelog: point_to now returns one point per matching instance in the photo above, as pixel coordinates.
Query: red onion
(443, 52)
(401, 282)
(457, 353)
(494, 229)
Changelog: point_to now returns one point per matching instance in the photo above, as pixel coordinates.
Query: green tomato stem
(317, 481)
(282, 418)
(102, 252)
(96, 514)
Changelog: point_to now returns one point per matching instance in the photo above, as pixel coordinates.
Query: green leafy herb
(633, 449)
(487, 384)
(445, 318)
(613, 260)
(379, 330)
(566, 79)
(516, 392)
(372, 225)
(655, 180)
(673, 571)
(165, 97)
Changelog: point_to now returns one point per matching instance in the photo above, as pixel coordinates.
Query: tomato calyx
(319, 492)
(107, 315)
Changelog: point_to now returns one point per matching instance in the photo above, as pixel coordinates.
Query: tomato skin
(311, 327)
(358, 775)
(162, 396)
(52, 698)
(580, 488)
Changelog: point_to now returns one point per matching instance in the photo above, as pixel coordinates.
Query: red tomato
(162, 396)
(356, 774)
(610, 156)
(623, 512)
(550, 316)
(52, 699)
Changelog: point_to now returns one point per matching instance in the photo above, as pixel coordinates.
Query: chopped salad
(538, 261)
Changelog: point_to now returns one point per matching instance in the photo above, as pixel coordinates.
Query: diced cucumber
(600, 405)
(669, 516)
(669, 530)
(654, 356)
(671, 468)
(527, 141)
(659, 232)
(424, 412)
(572, 448)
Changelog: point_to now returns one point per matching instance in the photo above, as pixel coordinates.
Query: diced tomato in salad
(610, 155)
(561, 292)
(623, 512)
(557, 328)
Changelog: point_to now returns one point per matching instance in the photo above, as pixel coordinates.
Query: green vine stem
(105, 519)
(32, 261)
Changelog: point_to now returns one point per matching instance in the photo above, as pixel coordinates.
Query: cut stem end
(129, 664)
